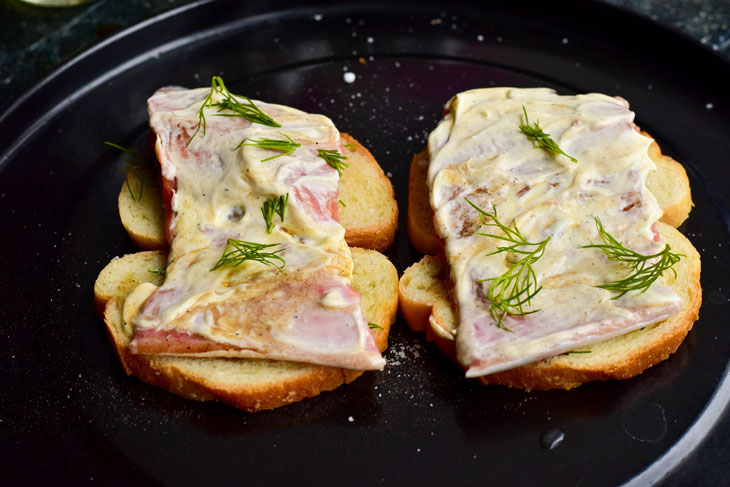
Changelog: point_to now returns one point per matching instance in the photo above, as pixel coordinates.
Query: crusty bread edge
(377, 237)
(310, 380)
(565, 371)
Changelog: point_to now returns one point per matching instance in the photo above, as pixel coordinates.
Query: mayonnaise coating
(478, 153)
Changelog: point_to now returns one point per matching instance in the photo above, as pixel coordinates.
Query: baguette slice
(669, 184)
(368, 209)
(247, 384)
(426, 305)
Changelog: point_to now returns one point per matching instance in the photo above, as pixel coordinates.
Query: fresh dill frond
(577, 352)
(160, 271)
(274, 206)
(247, 109)
(286, 147)
(350, 146)
(511, 292)
(542, 139)
(239, 251)
(334, 159)
(342, 203)
(136, 163)
(375, 326)
(644, 272)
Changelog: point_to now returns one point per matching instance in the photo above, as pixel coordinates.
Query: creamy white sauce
(478, 152)
(219, 195)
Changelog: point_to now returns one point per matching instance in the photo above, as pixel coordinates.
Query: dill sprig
(138, 164)
(375, 326)
(239, 251)
(644, 272)
(274, 206)
(334, 159)
(542, 139)
(509, 293)
(247, 109)
(286, 147)
(575, 352)
(160, 271)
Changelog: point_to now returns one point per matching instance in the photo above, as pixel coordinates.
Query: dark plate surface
(68, 411)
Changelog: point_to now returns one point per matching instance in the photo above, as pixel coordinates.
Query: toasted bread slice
(367, 209)
(369, 214)
(247, 384)
(426, 304)
(669, 184)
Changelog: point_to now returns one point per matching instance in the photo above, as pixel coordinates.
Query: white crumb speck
(480, 38)
(370, 40)
(351, 419)
(389, 174)
(565, 40)
(317, 17)
(709, 106)
(349, 77)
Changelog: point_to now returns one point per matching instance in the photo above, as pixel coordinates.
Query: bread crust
(368, 209)
(252, 384)
(426, 305)
(670, 184)
(420, 215)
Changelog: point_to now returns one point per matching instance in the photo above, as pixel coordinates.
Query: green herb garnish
(286, 147)
(272, 206)
(160, 271)
(247, 110)
(334, 159)
(342, 203)
(644, 273)
(509, 293)
(542, 140)
(239, 251)
(138, 164)
(375, 326)
(575, 352)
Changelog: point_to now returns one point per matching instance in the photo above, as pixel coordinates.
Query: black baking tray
(69, 413)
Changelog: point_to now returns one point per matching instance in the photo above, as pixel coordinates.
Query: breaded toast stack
(369, 214)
